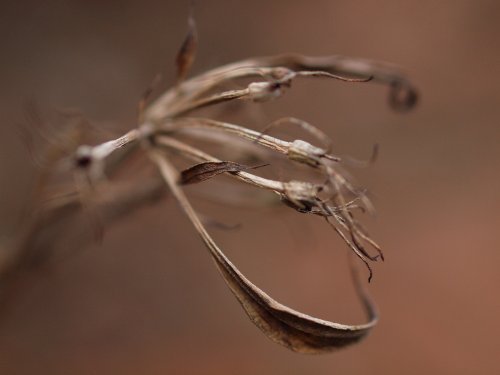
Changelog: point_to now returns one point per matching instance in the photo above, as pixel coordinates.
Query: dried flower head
(163, 127)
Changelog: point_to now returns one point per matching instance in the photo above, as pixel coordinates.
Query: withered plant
(75, 180)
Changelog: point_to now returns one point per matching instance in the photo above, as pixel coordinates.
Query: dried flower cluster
(156, 136)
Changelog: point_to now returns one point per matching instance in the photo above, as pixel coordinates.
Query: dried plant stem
(159, 124)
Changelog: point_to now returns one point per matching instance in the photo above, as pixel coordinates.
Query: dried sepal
(187, 52)
(196, 154)
(292, 329)
(206, 170)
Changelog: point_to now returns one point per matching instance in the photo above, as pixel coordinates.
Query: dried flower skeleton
(172, 113)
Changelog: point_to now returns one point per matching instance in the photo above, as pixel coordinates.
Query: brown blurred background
(149, 300)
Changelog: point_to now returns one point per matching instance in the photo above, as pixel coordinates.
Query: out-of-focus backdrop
(148, 300)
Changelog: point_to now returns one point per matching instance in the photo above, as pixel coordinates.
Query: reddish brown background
(149, 300)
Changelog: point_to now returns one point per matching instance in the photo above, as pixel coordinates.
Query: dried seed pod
(264, 91)
(300, 195)
(304, 152)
